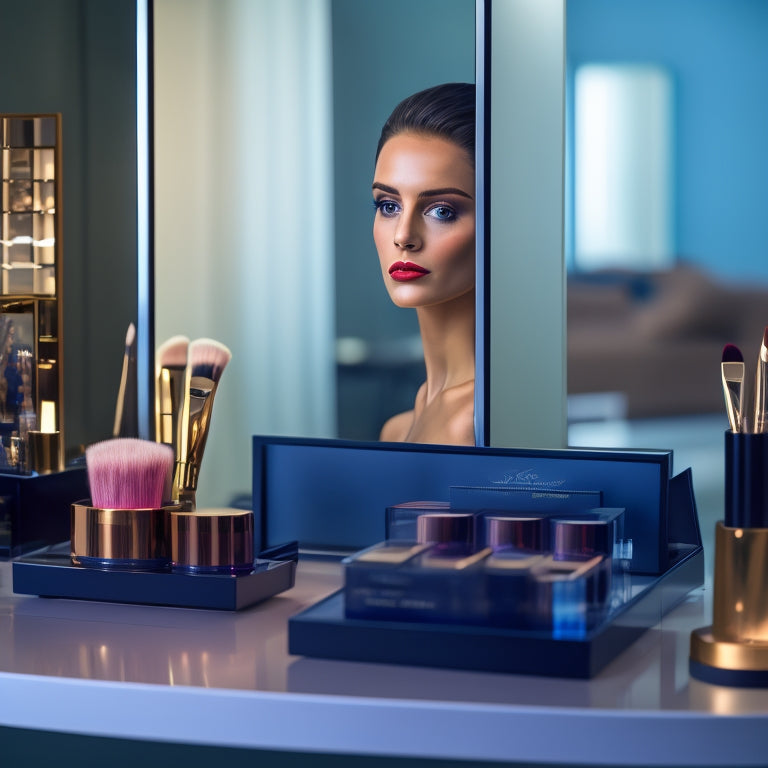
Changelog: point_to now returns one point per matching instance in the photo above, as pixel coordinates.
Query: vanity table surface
(225, 678)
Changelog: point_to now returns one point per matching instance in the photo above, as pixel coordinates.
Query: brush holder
(734, 649)
(120, 539)
(746, 480)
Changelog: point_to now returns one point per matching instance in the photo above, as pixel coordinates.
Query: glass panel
(44, 196)
(17, 196)
(43, 239)
(44, 167)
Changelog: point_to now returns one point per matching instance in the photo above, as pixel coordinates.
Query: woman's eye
(386, 207)
(442, 213)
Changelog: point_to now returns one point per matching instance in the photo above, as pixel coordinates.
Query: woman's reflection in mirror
(424, 230)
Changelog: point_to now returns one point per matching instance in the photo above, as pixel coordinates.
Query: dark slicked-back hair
(446, 111)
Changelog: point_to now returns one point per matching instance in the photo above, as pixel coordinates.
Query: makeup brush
(761, 384)
(170, 371)
(126, 412)
(128, 473)
(732, 369)
(206, 361)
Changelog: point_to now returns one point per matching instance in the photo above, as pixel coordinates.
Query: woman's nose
(407, 234)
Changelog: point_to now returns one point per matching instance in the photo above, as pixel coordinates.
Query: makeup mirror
(263, 168)
(107, 286)
(79, 58)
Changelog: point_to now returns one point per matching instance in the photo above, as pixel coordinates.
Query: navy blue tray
(323, 631)
(50, 573)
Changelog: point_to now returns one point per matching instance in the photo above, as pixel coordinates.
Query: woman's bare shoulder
(396, 428)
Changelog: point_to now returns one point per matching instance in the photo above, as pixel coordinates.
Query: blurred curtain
(244, 214)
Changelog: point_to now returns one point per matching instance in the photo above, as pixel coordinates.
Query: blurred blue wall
(717, 53)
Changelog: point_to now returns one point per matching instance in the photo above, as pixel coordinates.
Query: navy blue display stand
(51, 574)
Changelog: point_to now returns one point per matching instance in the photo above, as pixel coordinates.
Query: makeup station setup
(508, 602)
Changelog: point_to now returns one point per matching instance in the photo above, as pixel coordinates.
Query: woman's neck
(448, 339)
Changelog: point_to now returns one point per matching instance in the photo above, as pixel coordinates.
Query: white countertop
(225, 678)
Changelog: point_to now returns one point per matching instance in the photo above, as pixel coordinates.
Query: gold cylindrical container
(212, 541)
(740, 603)
(120, 538)
(45, 452)
(734, 650)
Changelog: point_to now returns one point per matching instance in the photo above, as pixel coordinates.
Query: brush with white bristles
(128, 473)
(170, 375)
(126, 411)
(206, 361)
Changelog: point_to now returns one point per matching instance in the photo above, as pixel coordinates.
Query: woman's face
(424, 227)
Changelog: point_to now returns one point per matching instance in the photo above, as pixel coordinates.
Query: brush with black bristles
(170, 373)
(127, 411)
(129, 473)
(206, 361)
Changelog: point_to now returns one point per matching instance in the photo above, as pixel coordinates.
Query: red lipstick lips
(403, 271)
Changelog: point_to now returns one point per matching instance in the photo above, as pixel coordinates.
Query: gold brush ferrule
(169, 404)
(193, 435)
(737, 641)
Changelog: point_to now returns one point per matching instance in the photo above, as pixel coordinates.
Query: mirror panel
(264, 159)
(78, 58)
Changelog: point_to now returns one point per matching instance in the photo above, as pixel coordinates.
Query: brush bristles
(173, 353)
(208, 358)
(732, 354)
(130, 335)
(128, 473)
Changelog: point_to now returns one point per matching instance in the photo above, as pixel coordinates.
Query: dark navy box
(330, 495)
(34, 509)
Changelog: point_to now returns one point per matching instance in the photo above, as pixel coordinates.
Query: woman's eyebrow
(385, 188)
(426, 192)
(444, 191)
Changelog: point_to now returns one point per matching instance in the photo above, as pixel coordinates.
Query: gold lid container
(212, 541)
(128, 539)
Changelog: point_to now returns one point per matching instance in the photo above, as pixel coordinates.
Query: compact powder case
(128, 539)
(212, 541)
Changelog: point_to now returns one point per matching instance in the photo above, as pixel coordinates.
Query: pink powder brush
(129, 473)
(206, 361)
(125, 523)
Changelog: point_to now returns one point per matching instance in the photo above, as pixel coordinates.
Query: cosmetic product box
(34, 508)
(539, 570)
(332, 497)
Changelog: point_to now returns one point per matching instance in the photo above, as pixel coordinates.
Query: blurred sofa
(658, 337)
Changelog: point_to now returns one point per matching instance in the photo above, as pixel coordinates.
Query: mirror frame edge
(145, 316)
(482, 219)
(527, 370)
